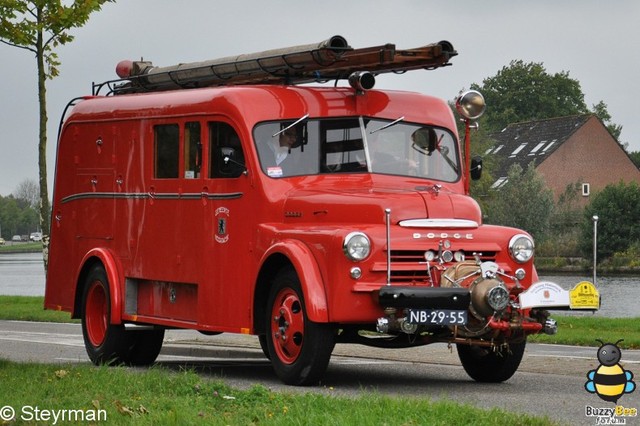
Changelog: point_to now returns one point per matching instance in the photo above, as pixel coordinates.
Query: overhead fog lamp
(471, 105)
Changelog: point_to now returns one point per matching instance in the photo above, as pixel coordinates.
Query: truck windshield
(357, 145)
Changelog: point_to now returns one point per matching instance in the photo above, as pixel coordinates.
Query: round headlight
(356, 246)
(521, 248)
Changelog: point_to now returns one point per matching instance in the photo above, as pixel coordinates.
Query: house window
(537, 148)
(518, 149)
(546, 148)
(586, 188)
(497, 184)
(498, 148)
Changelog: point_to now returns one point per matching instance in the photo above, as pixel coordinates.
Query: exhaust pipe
(550, 327)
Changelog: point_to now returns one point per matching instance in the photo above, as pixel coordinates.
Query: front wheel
(489, 365)
(299, 349)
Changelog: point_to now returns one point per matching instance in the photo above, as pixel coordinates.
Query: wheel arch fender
(298, 255)
(113, 270)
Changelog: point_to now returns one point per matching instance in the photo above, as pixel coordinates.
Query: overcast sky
(596, 42)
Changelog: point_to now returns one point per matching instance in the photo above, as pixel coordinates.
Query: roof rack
(332, 59)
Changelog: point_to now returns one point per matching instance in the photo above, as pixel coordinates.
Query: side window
(226, 155)
(192, 150)
(166, 147)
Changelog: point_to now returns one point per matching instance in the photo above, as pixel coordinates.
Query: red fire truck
(233, 196)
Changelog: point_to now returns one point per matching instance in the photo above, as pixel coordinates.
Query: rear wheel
(108, 343)
(144, 346)
(484, 364)
(299, 349)
(105, 343)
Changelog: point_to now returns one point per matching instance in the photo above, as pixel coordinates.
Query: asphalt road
(550, 380)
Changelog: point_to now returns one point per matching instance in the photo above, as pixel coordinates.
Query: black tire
(262, 338)
(483, 364)
(105, 343)
(299, 349)
(144, 346)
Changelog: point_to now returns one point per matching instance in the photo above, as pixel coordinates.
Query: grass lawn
(157, 396)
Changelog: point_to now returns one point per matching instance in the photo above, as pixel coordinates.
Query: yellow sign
(584, 295)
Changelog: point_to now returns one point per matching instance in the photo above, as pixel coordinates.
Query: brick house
(566, 150)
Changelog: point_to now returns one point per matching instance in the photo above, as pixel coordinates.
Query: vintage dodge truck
(238, 195)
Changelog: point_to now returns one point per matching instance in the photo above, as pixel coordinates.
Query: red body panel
(198, 252)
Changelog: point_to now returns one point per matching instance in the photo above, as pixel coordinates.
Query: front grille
(414, 256)
(410, 277)
(410, 267)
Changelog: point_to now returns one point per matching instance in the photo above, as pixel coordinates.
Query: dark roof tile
(522, 143)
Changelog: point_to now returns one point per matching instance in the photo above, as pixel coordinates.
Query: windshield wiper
(298, 121)
(386, 126)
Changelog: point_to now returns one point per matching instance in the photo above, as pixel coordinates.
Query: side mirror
(425, 140)
(476, 168)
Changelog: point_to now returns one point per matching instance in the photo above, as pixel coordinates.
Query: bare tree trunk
(42, 144)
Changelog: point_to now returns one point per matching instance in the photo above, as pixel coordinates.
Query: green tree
(523, 202)
(39, 26)
(480, 189)
(17, 217)
(600, 109)
(565, 224)
(635, 157)
(481, 141)
(618, 209)
(10, 216)
(526, 91)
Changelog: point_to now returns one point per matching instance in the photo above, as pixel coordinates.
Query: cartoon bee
(609, 381)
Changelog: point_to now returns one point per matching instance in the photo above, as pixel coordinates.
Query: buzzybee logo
(609, 381)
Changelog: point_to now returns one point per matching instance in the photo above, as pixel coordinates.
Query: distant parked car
(35, 236)
(1, 241)
(16, 238)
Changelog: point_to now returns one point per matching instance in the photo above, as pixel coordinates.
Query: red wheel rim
(287, 325)
(96, 314)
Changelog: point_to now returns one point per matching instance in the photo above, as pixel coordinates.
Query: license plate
(437, 316)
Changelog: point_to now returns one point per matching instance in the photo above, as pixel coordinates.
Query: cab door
(229, 225)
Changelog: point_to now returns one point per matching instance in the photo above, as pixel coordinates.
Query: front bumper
(424, 297)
